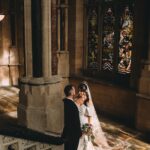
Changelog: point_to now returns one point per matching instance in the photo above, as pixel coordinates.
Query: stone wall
(143, 95)
(111, 100)
(39, 103)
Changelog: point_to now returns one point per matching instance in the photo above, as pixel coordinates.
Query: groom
(72, 130)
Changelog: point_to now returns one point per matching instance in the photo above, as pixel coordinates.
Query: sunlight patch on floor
(8, 99)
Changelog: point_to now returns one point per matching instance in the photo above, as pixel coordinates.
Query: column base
(40, 104)
(33, 118)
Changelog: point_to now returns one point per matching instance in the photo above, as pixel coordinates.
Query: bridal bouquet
(88, 130)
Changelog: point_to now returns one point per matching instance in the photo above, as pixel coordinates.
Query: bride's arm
(89, 120)
(90, 102)
(88, 114)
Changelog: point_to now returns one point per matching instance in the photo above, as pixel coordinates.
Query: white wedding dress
(100, 139)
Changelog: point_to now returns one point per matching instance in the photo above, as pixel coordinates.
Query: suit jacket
(72, 129)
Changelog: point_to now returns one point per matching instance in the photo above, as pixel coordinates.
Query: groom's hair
(68, 89)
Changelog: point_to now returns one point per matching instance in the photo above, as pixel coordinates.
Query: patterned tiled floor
(119, 136)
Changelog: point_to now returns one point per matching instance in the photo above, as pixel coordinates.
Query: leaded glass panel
(126, 41)
(93, 37)
(108, 39)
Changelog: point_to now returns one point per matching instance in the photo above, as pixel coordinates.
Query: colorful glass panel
(93, 38)
(126, 41)
(108, 39)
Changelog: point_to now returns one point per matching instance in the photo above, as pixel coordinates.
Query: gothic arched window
(110, 28)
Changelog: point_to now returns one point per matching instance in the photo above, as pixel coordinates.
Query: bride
(89, 117)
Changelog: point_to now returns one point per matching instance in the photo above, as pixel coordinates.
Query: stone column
(28, 38)
(31, 112)
(40, 106)
(76, 40)
(143, 96)
(46, 37)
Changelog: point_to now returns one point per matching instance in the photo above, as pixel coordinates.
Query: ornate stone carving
(6, 139)
(12, 143)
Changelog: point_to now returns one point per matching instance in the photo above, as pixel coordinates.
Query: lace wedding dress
(100, 139)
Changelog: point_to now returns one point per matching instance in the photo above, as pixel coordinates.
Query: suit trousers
(72, 144)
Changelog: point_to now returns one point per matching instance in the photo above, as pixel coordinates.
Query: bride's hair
(82, 87)
(87, 97)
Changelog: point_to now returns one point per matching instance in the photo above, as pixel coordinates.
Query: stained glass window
(93, 37)
(126, 41)
(110, 28)
(108, 39)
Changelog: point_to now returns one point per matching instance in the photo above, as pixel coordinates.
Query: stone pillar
(46, 35)
(40, 106)
(143, 97)
(28, 38)
(31, 104)
(76, 37)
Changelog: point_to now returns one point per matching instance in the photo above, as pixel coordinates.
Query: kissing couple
(82, 129)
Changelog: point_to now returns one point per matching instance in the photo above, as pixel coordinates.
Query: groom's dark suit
(72, 130)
